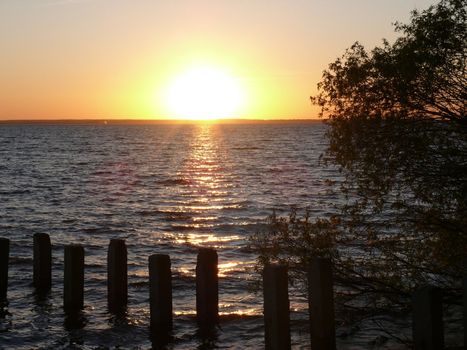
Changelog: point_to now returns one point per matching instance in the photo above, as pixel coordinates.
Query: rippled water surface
(165, 189)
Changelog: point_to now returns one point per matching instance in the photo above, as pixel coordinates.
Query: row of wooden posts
(427, 317)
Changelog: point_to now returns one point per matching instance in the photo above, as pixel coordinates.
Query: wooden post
(73, 287)
(117, 276)
(160, 295)
(276, 308)
(207, 295)
(42, 266)
(428, 332)
(465, 305)
(321, 305)
(4, 258)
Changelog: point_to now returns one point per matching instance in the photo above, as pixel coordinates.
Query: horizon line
(154, 121)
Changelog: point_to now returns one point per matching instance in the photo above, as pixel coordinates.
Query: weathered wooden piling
(4, 258)
(321, 304)
(117, 275)
(160, 295)
(42, 265)
(207, 294)
(428, 330)
(465, 305)
(73, 286)
(276, 308)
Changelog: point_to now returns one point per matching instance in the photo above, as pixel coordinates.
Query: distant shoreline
(157, 121)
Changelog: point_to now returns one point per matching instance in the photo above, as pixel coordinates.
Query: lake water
(165, 188)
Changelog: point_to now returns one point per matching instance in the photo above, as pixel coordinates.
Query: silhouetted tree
(398, 131)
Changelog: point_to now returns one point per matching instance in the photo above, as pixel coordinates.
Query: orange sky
(117, 58)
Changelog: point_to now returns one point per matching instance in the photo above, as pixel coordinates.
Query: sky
(70, 59)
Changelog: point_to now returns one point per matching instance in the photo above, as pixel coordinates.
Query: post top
(159, 258)
(428, 289)
(41, 235)
(207, 256)
(117, 241)
(206, 251)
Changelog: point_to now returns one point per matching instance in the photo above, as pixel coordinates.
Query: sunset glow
(93, 59)
(204, 93)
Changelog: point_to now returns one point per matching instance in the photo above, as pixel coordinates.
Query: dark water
(165, 189)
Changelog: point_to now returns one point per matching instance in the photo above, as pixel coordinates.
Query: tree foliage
(398, 131)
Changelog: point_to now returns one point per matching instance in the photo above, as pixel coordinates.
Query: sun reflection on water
(205, 173)
(199, 221)
(227, 268)
(197, 239)
(242, 312)
(203, 164)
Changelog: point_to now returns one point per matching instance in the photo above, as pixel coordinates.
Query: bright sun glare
(204, 93)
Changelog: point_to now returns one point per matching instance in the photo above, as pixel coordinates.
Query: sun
(204, 93)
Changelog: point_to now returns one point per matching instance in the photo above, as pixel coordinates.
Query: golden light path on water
(197, 239)
(206, 172)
